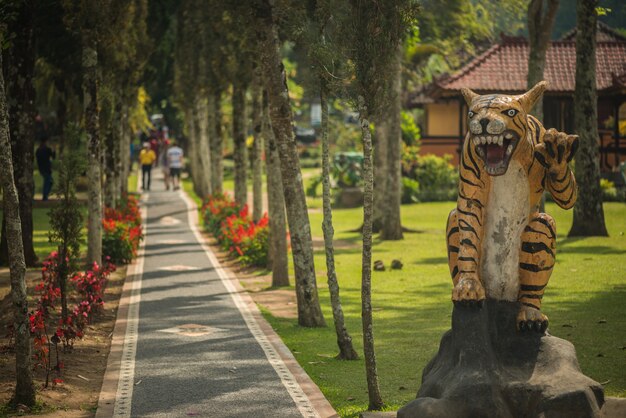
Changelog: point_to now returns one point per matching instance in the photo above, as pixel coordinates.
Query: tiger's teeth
(508, 136)
(500, 140)
(489, 140)
(476, 140)
(509, 149)
(483, 140)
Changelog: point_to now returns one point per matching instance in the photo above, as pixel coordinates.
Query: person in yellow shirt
(147, 157)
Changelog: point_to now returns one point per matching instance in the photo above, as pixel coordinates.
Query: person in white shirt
(175, 163)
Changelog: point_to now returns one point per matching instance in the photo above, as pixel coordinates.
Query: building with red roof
(503, 68)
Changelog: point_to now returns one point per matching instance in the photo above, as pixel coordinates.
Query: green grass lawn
(412, 307)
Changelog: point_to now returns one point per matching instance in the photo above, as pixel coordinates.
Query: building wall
(442, 119)
(441, 147)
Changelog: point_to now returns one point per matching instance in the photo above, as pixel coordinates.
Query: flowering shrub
(90, 287)
(217, 208)
(122, 231)
(236, 232)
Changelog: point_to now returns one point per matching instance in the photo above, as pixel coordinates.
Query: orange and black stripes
(465, 223)
(537, 256)
(563, 190)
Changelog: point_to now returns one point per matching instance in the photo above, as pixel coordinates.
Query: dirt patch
(280, 302)
(85, 365)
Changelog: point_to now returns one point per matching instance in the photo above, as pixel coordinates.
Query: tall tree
(375, 32)
(257, 147)
(277, 260)
(344, 340)
(19, 66)
(309, 310)
(391, 228)
(326, 57)
(215, 136)
(190, 88)
(541, 16)
(89, 20)
(240, 153)
(24, 388)
(380, 173)
(588, 211)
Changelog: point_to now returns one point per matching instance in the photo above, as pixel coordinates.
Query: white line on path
(124, 396)
(286, 377)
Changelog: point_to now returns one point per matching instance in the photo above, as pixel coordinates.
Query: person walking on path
(146, 159)
(44, 156)
(165, 166)
(175, 162)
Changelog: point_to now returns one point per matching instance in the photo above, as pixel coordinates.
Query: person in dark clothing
(44, 156)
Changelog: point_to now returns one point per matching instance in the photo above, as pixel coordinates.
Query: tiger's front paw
(531, 319)
(468, 292)
(556, 150)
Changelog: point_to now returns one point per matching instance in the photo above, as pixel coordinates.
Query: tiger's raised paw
(531, 320)
(556, 150)
(468, 292)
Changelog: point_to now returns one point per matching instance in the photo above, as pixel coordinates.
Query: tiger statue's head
(498, 123)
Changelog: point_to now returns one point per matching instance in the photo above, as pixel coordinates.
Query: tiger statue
(499, 245)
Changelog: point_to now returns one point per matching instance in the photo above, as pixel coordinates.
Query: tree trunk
(192, 148)
(123, 160)
(240, 153)
(257, 152)
(392, 226)
(309, 310)
(588, 211)
(204, 151)
(110, 159)
(215, 136)
(24, 388)
(19, 70)
(373, 390)
(94, 172)
(540, 25)
(380, 173)
(277, 260)
(344, 341)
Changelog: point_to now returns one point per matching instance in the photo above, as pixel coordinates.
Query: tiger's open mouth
(496, 150)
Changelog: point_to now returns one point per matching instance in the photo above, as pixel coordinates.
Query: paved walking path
(187, 342)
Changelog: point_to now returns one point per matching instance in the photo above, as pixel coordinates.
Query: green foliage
(453, 31)
(610, 193)
(347, 169)
(138, 118)
(437, 178)
(116, 245)
(374, 32)
(410, 190)
(410, 131)
(312, 186)
(66, 219)
(345, 136)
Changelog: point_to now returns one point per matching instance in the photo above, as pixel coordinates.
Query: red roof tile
(504, 67)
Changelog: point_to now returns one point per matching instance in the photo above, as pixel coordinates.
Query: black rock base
(486, 368)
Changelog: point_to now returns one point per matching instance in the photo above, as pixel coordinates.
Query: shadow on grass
(591, 250)
(432, 260)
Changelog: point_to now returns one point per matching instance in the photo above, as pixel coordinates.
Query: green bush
(610, 193)
(437, 178)
(410, 131)
(410, 190)
(116, 242)
(311, 188)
